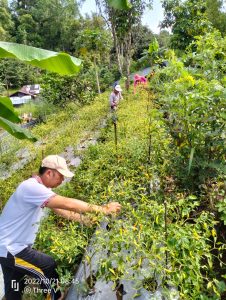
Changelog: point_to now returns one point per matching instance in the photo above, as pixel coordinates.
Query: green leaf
(192, 197)
(223, 115)
(153, 47)
(16, 130)
(7, 110)
(119, 4)
(221, 285)
(60, 63)
(112, 271)
(218, 166)
(191, 159)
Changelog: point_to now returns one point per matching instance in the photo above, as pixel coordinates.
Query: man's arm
(120, 96)
(73, 216)
(69, 215)
(79, 206)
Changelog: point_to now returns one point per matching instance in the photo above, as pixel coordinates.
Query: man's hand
(111, 208)
(89, 220)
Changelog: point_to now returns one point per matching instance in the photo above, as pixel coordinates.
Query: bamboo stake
(114, 119)
(166, 234)
(149, 128)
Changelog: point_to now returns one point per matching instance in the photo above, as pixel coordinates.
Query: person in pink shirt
(138, 80)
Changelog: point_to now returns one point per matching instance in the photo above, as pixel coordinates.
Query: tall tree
(163, 38)
(141, 38)
(94, 43)
(122, 24)
(216, 15)
(44, 23)
(187, 19)
(6, 23)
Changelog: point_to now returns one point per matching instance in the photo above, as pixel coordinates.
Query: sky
(151, 18)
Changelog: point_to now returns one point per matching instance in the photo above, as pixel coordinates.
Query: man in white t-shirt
(19, 223)
(115, 97)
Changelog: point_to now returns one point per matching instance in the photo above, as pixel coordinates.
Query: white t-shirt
(114, 98)
(20, 218)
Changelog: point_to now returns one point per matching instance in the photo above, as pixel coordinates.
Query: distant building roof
(20, 93)
(22, 96)
(25, 89)
(33, 89)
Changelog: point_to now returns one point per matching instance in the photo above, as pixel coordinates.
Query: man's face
(53, 178)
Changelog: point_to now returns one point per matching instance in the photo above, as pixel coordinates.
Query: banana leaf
(16, 130)
(7, 110)
(60, 63)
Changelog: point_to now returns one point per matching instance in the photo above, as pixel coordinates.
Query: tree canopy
(187, 20)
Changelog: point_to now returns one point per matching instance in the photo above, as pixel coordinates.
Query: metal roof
(143, 72)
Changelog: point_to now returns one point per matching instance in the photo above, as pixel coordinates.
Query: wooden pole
(166, 234)
(114, 119)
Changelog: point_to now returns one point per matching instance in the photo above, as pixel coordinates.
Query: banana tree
(60, 63)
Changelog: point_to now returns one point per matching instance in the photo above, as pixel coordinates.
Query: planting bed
(96, 289)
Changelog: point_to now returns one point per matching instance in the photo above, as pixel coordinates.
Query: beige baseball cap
(58, 163)
(118, 88)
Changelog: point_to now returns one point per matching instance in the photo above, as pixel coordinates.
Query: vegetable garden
(166, 170)
(161, 155)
